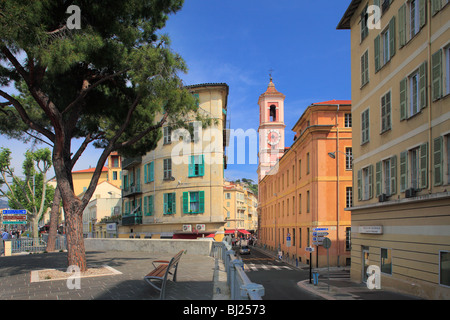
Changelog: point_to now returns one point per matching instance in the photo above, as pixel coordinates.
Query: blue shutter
(145, 173)
(191, 166)
(174, 208)
(152, 171)
(145, 204)
(150, 205)
(165, 202)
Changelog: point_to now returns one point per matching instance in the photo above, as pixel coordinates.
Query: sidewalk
(195, 277)
(340, 287)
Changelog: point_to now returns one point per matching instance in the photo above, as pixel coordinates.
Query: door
(365, 262)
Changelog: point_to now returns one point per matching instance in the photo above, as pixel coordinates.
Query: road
(278, 278)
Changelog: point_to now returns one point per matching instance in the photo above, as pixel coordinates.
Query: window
(114, 175)
(363, 23)
(384, 45)
(167, 135)
(386, 112)
(228, 195)
(348, 120)
(348, 238)
(299, 203)
(349, 197)
(307, 163)
(167, 169)
(307, 201)
(444, 268)
(365, 183)
(196, 166)
(148, 205)
(386, 261)
(348, 158)
(273, 113)
(365, 126)
(365, 68)
(386, 176)
(413, 92)
(169, 203)
(413, 168)
(412, 17)
(197, 99)
(149, 172)
(440, 66)
(194, 202)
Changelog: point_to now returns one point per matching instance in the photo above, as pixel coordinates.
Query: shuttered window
(365, 126)
(437, 75)
(169, 203)
(438, 160)
(148, 205)
(193, 202)
(196, 166)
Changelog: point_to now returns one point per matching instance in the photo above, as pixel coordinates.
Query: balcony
(132, 219)
(130, 162)
(131, 191)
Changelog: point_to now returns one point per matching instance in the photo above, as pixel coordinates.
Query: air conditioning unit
(409, 193)
(200, 227)
(382, 198)
(187, 228)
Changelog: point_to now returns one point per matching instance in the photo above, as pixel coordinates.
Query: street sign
(326, 243)
(320, 234)
(14, 216)
(320, 229)
(309, 249)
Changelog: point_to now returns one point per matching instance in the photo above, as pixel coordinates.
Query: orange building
(310, 186)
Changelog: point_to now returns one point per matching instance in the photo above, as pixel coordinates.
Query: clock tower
(271, 129)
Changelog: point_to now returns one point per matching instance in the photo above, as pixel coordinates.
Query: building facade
(176, 190)
(240, 209)
(310, 187)
(400, 61)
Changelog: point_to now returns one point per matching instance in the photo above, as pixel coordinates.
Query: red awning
(229, 231)
(243, 231)
(210, 235)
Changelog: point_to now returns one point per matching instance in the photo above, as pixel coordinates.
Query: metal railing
(35, 245)
(241, 288)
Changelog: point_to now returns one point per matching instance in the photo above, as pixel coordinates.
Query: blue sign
(14, 211)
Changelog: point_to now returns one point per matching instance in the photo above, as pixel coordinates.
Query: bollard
(7, 248)
(316, 278)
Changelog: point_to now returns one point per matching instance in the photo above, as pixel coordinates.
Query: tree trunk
(54, 215)
(75, 241)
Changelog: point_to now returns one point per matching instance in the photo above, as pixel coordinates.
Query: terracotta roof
(89, 170)
(333, 102)
(271, 90)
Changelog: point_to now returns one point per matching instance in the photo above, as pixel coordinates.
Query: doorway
(365, 262)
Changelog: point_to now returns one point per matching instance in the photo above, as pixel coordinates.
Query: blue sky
(238, 41)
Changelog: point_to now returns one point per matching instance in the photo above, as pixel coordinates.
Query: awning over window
(243, 231)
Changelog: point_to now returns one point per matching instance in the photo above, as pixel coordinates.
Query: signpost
(288, 240)
(327, 245)
(14, 216)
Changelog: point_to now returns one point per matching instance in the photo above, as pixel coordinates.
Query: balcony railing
(131, 190)
(129, 162)
(132, 219)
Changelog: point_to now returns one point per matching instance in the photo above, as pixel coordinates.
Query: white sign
(309, 249)
(371, 229)
(111, 226)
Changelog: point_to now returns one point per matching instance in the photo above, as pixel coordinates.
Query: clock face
(273, 137)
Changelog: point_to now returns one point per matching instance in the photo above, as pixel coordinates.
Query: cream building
(176, 190)
(401, 143)
(240, 209)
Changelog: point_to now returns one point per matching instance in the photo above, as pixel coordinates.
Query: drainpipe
(430, 96)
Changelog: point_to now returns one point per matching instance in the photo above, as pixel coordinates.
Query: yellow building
(400, 62)
(240, 209)
(176, 190)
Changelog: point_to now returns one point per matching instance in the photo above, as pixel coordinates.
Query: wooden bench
(162, 268)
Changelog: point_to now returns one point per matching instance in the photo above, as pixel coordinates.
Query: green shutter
(145, 173)
(166, 196)
(359, 185)
(403, 99)
(145, 206)
(423, 164)
(201, 166)
(393, 175)
(403, 170)
(377, 53)
(392, 46)
(150, 205)
(402, 25)
(371, 181)
(174, 207)
(152, 171)
(423, 85)
(201, 196)
(191, 166)
(378, 178)
(422, 12)
(197, 99)
(436, 71)
(436, 5)
(185, 202)
(437, 160)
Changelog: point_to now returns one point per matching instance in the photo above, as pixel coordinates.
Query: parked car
(244, 250)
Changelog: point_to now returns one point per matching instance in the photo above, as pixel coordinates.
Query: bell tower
(271, 129)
